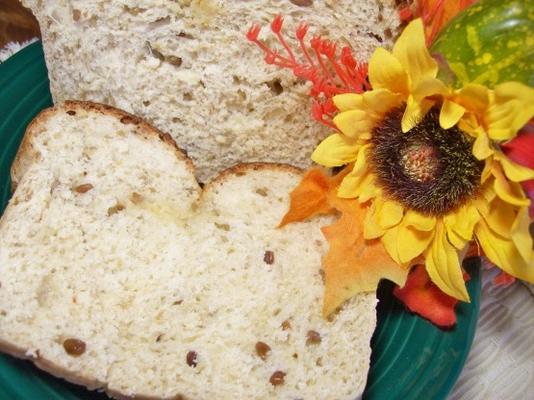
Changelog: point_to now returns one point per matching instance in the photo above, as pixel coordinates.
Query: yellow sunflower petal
(488, 194)
(501, 120)
(515, 90)
(349, 186)
(450, 114)
(410, 49)
(348, 101)
(353, 123)
(389, 214)
(410, 242)
(386, 72)
(500, 217)
(380, 101)
(429, 87)
(456, 240)
(462, 223)
(503, 253)
(482, 148)
(419, 221)
(521, 235)
(512, 107)
(486, 171)
(474, 98)
(414, 112)
(469, 124)
(443, 266)
(390, 242)
(482, 202)
(514, 171)
(510, 192)
(336, 150)
(368, 189)
(371, 228)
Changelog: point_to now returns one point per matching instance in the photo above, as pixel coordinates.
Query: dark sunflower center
(420, 161)
(428, 169)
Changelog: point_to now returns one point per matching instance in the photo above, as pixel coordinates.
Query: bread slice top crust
(109, 241)
(187, 67)
(83, 114)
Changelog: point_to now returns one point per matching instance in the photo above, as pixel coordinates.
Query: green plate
(412, 359)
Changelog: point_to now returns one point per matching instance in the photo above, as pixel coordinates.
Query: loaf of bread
(118, 272)
(187, 68)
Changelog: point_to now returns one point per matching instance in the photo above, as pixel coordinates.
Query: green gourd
(490, 42)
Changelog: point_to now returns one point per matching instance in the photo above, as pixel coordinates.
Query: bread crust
(49, 367)
(243, 168)
(26, 154)
(62, 373)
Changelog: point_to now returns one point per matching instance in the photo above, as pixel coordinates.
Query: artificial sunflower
(427, 160)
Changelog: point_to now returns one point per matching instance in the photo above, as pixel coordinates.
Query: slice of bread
(186, 66)
(119, 272)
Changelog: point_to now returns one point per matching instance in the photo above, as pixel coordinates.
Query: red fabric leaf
(423, 297)
(521, 150)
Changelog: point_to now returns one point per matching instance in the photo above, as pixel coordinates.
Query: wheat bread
(186, 67)
(110, 249)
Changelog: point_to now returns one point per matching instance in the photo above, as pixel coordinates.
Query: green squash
(490, 42)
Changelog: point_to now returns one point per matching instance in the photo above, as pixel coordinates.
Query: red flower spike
(405, 14)
(253, 32)
(270, 59)
(276, 25)
(301, 32)
(347, 59)
(329, 71)
(319, 112)
(423, 297)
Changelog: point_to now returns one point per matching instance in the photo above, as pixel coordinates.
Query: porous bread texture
(174, 269)
(186, 67)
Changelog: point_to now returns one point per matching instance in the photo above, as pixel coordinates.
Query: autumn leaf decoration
(352, 264)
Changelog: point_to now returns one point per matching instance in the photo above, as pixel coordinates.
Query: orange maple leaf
(311, 196)
(352, 264)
